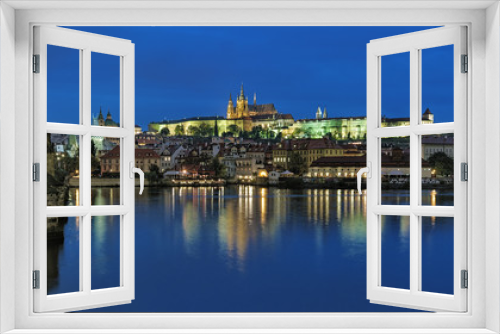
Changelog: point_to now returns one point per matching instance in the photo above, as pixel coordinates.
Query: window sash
(86, 297)
(414, 297)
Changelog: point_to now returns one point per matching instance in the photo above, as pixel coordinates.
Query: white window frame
(16, 215)
(414, 43)
(85, 44)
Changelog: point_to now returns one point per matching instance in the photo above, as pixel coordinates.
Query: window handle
(139, 171)
(368, 172)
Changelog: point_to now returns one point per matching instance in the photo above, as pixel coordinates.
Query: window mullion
(414, 170)
(86, 172)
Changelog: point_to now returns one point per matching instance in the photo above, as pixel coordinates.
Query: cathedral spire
(242, 93)
(318, 113)
(254, 99)
(325, 115)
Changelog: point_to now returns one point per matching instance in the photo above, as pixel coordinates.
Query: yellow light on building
(263, 173)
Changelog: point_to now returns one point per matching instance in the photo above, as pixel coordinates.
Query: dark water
(251, 249)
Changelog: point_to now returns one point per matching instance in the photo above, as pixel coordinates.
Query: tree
(93, 149)
(165, 132)
(279, 136)
(206, 130)
(297, 132)
(218, 167)
(256, 132)
(308, 133)
(297, 164)
(234, 129)
(154, 173)
(442, 163)
(193, 131)
(179, 130)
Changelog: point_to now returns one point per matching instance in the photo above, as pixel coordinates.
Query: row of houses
(245, 159)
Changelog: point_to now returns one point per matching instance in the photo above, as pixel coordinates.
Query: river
(253, 249)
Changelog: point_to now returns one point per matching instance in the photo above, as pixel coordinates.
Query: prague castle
(243, 110)
(246, 116)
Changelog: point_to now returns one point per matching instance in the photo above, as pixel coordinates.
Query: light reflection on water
(253, 249)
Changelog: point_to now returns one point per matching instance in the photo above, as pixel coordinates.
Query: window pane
(395, 242)
(106, 164)
(437, 169)
(105, 90)
(437, 254)
(63, 168)
(105, 256)
(395, 73)
(437, 84)
(63, 255)
(395, 163)
(63, 85)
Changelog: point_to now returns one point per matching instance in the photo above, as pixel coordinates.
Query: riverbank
(285, 183)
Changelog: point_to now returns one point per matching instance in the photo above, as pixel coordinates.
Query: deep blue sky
(190, 71)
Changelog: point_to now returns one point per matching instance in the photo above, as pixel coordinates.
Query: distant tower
(428, 116)
(325, 114)
(318, 113)
(254, 99)
(230, 108)
(108, 116)
(242, 105)
(100, 118)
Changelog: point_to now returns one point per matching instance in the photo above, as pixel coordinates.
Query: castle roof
(307, 144)
(268, 107)
(437, 140)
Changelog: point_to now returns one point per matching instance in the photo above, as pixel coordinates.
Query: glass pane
(105, 89)
(63, 168)
(395, 240)
(105, 170)
(437, 169)
(437, 84)
(395, 163)
(395, 90)
(437, 254)
(63, 85)
(105, 255)
(63, 255)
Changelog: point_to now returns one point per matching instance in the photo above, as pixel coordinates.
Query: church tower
(100, 118)
(242, 105)
(325, 114)
(318, 113)
(428, 116)
(230, 108)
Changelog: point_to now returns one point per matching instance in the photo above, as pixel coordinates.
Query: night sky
(190, 71)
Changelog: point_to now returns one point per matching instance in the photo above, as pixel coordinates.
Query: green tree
(179, 130)
(218, 167)
(308, 133)
(193, 131)
(206, 130)
(154, 173)
(93, 149)
(165, 131)
(256, 132)
(297, 164)
(297, 132)
(442, 163)
(234, 129)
